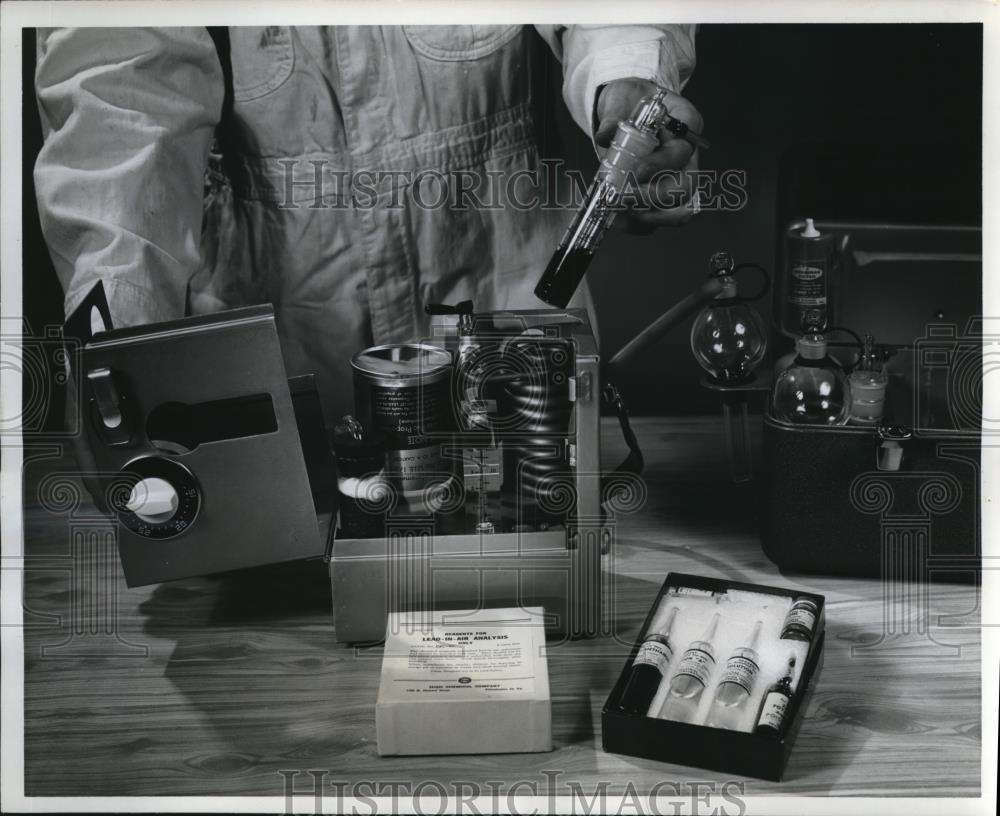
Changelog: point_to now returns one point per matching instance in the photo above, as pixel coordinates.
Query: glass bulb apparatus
(729, 341)
(728, 338)
(813, 390)
(692, 675)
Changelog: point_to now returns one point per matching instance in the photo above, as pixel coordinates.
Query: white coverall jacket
(129, 194)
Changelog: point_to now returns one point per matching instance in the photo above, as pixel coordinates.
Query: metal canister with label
(808, 277)
(403, 391)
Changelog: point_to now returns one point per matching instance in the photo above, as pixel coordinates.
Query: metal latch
(890, 451)
(113, 426)
(580, 388)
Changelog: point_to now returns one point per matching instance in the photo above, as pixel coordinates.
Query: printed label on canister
(411, 469)
(742, 671)
(655, 651)
(773, 710)
(697, 663)
(808, 284)
(800, 615)
(407, 415)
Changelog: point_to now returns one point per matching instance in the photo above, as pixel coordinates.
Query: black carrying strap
(634, 462)
(220, 36)
(224, 129)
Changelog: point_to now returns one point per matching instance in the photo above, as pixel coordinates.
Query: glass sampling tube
(735, 417)
(736, 684)
(636, 137)
(692, 675)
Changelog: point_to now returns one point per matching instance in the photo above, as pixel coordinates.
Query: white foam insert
(739, 611)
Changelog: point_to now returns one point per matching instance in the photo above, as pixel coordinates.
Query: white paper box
(464, 682)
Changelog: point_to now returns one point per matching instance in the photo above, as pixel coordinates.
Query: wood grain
(213, 686)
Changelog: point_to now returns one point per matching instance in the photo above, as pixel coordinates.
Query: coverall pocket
(462, 42)
(262, 59)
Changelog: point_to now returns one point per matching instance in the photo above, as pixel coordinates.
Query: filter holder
(196, 442)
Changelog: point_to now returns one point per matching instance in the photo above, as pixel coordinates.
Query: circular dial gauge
(162, 498)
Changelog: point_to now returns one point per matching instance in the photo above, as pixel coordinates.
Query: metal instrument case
(827, 506)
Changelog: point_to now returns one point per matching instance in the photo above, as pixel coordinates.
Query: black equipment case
(831, 501)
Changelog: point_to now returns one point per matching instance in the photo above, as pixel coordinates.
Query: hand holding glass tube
(650, 139)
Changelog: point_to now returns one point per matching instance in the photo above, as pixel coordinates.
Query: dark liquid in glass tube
(563, 275)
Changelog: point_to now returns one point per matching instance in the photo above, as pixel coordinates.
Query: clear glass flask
(813, 389)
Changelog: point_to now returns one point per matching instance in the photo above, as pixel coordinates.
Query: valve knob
(153, 500)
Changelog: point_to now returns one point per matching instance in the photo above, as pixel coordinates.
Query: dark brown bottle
(800, 620)
(649, 667)
(775, 702)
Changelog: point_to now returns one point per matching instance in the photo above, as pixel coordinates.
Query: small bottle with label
(650, 665)
(775, 702)
(736, 684)
(807, 276)
(689, 681)
(800, 620)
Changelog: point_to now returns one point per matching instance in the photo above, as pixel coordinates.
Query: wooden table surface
(218, 685)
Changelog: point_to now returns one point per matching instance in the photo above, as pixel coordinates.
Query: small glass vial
(650, 666)
(868, 383)
(689, 681)
(800, 620)
(736, 684)
(775, 702)
(364, 491)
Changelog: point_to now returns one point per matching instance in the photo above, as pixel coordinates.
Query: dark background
(879, 122)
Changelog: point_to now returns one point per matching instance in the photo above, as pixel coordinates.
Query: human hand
(666, 179)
